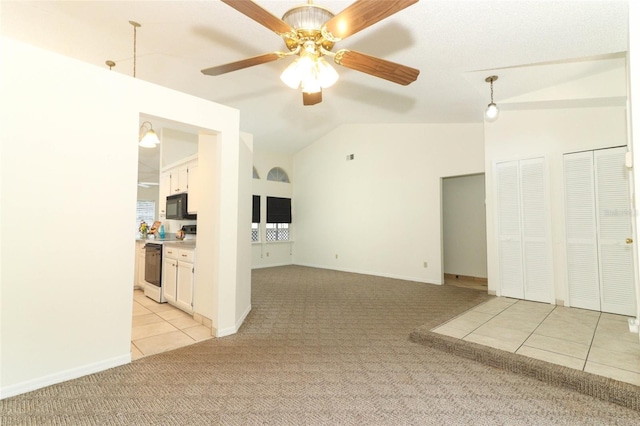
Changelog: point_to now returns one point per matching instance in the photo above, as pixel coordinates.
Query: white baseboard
(375, 274)
(233, 330)
(63, 376)
(271, 265)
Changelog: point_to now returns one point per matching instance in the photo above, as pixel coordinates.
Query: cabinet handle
(184, 255)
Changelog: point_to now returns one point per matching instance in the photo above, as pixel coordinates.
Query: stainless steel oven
(153, 272)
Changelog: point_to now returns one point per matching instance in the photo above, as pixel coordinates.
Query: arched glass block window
(277, 174)
(255, 173)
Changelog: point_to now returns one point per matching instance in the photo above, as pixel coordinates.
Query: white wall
(264, 254)
(379, 213)
(464, 226)
(66, 280)
(633, 80)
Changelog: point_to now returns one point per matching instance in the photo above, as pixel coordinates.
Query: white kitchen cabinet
(181, 177)
(169, 273)
(177, 279)
(184, 280)
(163, 191)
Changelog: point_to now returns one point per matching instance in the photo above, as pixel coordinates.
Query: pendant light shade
(492, 111)
(148, 138)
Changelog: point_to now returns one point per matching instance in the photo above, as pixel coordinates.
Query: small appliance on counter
(188, 232)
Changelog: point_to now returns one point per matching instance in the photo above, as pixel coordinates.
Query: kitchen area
(165, 242)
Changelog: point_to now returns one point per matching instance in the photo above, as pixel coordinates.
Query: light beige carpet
(320, 347)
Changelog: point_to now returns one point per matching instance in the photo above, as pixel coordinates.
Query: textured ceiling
(455, 44)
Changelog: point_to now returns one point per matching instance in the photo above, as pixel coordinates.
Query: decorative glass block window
(255, 219)
(255, 232)
(277, 232)
(277, 174)
(145, 211)
(255, 173)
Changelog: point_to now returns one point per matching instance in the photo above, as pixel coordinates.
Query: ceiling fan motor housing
(307, 20)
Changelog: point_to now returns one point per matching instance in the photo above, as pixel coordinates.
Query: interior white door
(581, 225)
(509, 231)
(613, 209)
(535, 233)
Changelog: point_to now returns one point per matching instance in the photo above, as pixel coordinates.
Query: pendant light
(492, 111)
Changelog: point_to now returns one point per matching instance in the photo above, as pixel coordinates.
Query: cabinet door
(163, 191)
(179, 179)
(169, 278)
(184, 299)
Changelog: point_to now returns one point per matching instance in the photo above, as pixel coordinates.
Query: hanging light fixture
(310, 71)
(492, 111)
(148, 138)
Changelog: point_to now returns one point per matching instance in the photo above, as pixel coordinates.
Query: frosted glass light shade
(327, 75)
(290, 76)
(492, 112)
(150, 140)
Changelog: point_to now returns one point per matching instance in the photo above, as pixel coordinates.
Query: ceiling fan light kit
(492, 111)
(310, 32)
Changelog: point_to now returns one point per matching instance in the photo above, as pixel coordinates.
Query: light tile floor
(160, 327)
(595, 342)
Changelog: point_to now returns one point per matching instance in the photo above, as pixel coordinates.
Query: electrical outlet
(267, 254)
(425, 264)
(336, 256)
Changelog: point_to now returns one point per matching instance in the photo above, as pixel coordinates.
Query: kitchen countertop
(184, 243)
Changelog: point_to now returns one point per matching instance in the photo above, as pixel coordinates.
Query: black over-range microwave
(177, 207)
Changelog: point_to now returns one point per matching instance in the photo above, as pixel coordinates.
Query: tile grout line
(534, 330)
(592, 339)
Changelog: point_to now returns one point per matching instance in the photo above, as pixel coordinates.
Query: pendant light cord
(135, 53)
(491, 89)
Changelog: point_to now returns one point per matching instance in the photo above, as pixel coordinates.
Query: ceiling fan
(310, 32)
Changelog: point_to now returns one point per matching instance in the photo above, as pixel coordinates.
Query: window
(145, 211)
(278, 218)
(255, 173)
(255, 219)
(277, 174)
(277, 232)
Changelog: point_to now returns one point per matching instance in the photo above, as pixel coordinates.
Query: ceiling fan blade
(245, 63)
(377, 67)
(260, 15)
(311, 98)
(360, 15)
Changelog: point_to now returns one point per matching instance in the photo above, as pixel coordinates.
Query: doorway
(464, 231)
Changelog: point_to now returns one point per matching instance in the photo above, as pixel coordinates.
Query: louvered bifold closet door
(509, 230)
(535, 235)
(617, 287)
(582, 243)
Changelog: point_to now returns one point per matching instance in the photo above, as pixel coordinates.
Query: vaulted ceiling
(454, 44)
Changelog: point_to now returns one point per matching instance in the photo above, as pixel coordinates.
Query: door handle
(629, 240)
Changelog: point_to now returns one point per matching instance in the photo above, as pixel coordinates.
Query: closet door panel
(509, 230)
(582, 246)
(617, 286)
(535, 236)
